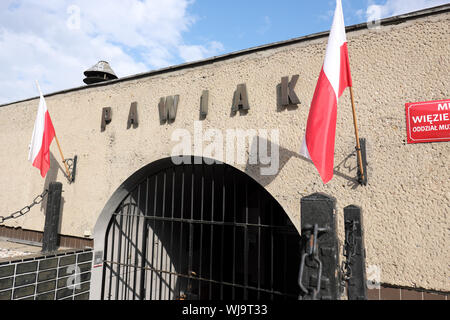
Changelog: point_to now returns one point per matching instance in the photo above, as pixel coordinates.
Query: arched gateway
(194, 231)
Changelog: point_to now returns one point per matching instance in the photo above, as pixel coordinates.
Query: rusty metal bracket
(72, 164)
(362, 143)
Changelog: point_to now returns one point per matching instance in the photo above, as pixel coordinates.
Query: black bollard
(52, 215)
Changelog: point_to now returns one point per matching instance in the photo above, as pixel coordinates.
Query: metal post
(319, 269)
(52, 216)
(355, 254)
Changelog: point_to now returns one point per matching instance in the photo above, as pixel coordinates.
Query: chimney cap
(101, 71)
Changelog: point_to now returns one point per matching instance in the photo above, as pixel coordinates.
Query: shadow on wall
(348, 166)
(346, 169)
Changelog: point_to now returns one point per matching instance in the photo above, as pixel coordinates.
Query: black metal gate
(200, 232)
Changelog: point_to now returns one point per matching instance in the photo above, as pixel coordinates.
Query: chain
(349, 251)
(312, 253)
(25, 209)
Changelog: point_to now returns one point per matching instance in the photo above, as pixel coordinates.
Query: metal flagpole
(358, 147)
(56, 138)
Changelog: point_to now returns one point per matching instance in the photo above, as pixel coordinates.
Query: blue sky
(54, 41)
(244, 24)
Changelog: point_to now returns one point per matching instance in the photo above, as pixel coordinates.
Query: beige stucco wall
(405, 205)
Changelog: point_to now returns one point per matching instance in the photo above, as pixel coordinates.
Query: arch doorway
(196, 232)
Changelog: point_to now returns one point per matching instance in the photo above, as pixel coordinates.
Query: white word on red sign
(428, 121)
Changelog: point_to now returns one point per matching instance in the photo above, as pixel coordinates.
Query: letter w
(418, 119)
(168, 108)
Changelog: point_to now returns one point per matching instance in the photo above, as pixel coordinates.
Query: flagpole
(56, 139)
(358, 146)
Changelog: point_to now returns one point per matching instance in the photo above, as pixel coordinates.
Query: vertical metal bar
(144, 243)
(105, 256)
(181, 230)
(246, 244)
(155, 197)
(191, 230)
(123, 216)
(112, 255)
(171, 231)
(129, 253)
(125, 253)
(163, 213)
(364, 180)
(271, 248)
(130, 220)
(233, 293)
(259, 245)
(212, 236)
(136, 263)
(133, 244)
(119, 256)
(223, 232)
(201, 231)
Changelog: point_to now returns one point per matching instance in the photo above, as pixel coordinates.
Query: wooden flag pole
(358, 147)
(64, 161)
(57, 142)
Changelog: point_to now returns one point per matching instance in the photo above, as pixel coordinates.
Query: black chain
(312, 253)
(25, 209)
(349, 251)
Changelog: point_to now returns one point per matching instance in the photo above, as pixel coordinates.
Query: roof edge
(383, 22)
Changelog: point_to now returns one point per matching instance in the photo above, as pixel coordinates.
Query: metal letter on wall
(288, 95)
(133, 116)
(168, 108)
(162, 110)
(106, 118)
(204, 104)
(240, 99)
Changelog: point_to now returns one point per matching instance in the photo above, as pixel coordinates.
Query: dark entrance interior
(199, 231)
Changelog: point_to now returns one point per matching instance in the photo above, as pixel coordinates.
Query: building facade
(405, 203)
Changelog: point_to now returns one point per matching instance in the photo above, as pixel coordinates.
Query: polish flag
(318, 144)
(43, 134)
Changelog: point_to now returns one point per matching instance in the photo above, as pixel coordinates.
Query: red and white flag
(43, 134)
(318, 144)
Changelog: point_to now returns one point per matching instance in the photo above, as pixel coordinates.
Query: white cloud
(193, 53)
(396, 7)
(54, 41)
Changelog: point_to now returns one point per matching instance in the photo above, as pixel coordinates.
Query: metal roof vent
(99, 73)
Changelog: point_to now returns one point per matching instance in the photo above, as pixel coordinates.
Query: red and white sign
(428, 121)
